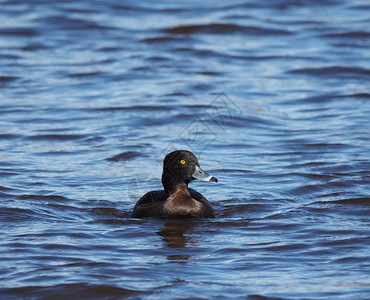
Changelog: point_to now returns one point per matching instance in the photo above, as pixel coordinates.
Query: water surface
(273, 98)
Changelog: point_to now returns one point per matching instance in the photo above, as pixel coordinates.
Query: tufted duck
(177, 200)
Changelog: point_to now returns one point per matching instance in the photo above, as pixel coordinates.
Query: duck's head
(179, 168)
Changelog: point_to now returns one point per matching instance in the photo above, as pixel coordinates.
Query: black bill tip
(213, 179)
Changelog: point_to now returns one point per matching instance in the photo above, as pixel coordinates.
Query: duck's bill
(202, 175)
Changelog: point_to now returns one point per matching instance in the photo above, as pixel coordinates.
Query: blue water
(272, 97)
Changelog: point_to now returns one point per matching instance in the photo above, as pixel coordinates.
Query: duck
(177, 200)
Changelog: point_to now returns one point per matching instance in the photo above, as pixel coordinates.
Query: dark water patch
(325, 98)
(86, 74)
(136, 108)
(307, 190)
(317, 176)
(8, 214)
(202, 87)
(289, 226)
(109, 49)
(135, 8)
(349, 243)
(348, 34)
(69, 291)
(197, 107)
(124, 156)
(346, 209)
(19, 32)
(5, 79)
(81, 10)
(7, 136)
(223, 121)
(6, 196)
(235, 170)
(335, 71)
(4, 188)
(178, 94)
(299, 145)
(71, 24)
(262, 297)
(158, 58)
(219, 28)
(6, 109)
(162, 39)
(365, 175)
(352, 201)
(58, 211)
(8, 173)
(56, 137)
(360, 45)
(285, 248)
(339, 169)
(143, 69)
(205, 53)
(34, 47)
(229, 223)
(352, 260)
(316, 99)
(358, 95)
(297, 163)
(48, 233)
(164, 8)
(291, 4)
(9, 56)
(362, 7)
(210, 73)
(62, 247)
(56, 153)
(327, 146)
(251, 210)
(107, 212)
(93, 139)
(44, 197)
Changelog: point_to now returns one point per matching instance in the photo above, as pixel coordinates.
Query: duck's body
(187, 204)
(177, 200)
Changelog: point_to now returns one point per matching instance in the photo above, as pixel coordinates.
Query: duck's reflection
(174, 235)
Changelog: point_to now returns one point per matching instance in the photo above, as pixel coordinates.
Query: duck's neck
(173, 186)
(181, 189)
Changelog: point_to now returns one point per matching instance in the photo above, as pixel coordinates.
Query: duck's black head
(179, 168)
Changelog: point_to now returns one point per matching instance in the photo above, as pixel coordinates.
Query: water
(273, 98)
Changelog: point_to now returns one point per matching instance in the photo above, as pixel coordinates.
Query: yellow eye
(182, 162)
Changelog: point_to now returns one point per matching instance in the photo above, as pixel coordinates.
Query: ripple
(57, 137)
(124, 156)
(334, 71)
(17, 214)
(43, 197)
(348, 34)
(69, 23)
(20, 32)
(85, 74)
(5, 79)
(136, 108)
(7, 136)
(352, 201)
(70, 291)
(219, 28)
(160, 39)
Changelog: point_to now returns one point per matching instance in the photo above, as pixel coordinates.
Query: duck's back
(150, 204)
